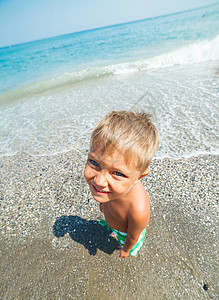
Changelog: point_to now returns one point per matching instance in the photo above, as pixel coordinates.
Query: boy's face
(108, 176)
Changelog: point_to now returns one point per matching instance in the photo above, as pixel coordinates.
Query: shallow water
(184, 104)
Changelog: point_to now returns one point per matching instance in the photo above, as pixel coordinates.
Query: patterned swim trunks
(121, 237)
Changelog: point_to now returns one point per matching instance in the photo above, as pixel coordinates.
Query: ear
(146, 172)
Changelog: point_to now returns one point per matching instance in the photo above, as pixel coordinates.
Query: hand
(122, 254)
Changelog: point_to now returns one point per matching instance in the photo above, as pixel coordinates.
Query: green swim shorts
(121, 237)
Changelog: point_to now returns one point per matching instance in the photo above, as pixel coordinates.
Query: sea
(53, 91)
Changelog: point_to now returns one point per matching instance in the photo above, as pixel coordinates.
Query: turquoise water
(112, 50)
(53, 91)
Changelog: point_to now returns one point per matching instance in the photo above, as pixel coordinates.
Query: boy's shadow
(88, 233)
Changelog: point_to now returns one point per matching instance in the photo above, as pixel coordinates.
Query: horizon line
(108, 26)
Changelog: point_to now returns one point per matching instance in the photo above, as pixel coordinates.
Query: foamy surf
(184, 105)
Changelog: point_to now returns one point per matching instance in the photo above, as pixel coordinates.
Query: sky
(28, 20)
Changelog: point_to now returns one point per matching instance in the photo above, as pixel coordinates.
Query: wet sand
(52, 247)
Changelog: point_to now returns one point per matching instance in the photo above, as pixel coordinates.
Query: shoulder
(139, 211)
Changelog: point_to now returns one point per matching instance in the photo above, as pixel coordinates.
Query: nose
(101, 179)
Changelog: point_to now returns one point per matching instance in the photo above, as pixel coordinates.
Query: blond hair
(133, 133)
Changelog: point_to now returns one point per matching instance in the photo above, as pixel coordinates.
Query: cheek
(88, 173)
(85, 173)
(119, 187)
(123, 187)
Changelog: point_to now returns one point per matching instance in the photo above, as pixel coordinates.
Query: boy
(122, 145)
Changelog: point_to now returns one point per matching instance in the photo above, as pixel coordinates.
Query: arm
(133, 234)
(137, 221)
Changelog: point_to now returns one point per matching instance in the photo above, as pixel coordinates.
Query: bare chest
(116, 216)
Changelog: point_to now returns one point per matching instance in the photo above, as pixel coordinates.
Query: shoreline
(187, 156)
(39, 261)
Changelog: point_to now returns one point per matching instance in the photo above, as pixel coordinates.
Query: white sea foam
(201, 51)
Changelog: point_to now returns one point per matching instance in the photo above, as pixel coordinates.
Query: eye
(94, 163)
(118, 174)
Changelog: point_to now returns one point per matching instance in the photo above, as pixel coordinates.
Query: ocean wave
(201, 51)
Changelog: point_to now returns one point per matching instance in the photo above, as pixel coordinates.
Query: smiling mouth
(99, 191)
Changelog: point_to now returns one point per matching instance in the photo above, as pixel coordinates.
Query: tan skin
(122, 197)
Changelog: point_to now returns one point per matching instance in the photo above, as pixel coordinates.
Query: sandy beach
(52, 247)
